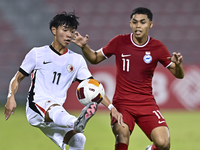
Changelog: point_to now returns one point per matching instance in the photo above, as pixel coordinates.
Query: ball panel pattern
(90, 90)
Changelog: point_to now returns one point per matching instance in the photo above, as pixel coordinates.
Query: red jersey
(135, 67)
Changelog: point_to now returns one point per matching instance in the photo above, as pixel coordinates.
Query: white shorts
(50, 129)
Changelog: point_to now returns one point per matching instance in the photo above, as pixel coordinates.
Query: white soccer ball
(90, 90)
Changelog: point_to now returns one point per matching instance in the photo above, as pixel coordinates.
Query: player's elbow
(180, 76)
(94, 62)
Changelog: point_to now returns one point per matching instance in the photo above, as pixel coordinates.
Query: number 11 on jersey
(126, 64)
(55, 77)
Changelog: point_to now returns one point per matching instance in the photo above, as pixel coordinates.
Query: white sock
(61, 117)
(149, 147)
(77, 142)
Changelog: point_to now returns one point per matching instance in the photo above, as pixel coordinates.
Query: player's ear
(53, 30)
(151, 24)
(130, 23)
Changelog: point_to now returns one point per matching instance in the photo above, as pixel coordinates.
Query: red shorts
(147, 117)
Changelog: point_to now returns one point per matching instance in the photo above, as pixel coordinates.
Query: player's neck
(59, 48)
(140, 41)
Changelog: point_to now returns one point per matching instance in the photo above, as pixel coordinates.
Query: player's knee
(161, 138)
(163, 144)
(77, 142)
(61, 117)
(122, 134)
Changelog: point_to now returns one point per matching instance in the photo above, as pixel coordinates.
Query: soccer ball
(90, 90)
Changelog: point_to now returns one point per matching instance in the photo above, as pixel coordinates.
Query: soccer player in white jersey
(53, 69)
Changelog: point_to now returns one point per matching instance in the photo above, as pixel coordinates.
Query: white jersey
(52, 74)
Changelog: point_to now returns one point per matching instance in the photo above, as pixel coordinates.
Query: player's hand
(118, 116)
(80, 40)
(176, 58)
(10, 107)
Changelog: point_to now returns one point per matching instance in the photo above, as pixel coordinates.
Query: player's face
(63, 35)
(140, 25)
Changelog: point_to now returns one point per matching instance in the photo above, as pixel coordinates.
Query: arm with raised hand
(176, 67)
(94, 57)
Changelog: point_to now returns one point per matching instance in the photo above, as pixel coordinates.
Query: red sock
(154, 147)
(121, 146)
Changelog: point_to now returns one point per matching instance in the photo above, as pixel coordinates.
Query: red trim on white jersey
(65, 51)
(41, 108)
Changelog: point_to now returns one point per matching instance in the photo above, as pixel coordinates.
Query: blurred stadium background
(24, 25)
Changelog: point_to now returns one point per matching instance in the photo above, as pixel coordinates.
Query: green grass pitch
(17, 134)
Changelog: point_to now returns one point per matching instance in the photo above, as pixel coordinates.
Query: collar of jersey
(51, 47)
(131, 36)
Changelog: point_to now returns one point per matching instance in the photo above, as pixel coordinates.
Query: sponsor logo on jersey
(160, 122)
(125, 55)
(147, 57)
(70, 68)
(46, 62)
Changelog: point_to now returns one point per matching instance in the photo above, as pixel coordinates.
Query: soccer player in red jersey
(137, 55)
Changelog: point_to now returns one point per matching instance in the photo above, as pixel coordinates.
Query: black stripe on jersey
(30, 96)
(23, 72)
(51, 47)
(82, 80)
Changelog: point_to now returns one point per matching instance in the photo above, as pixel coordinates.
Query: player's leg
(122, 135)
(161, 138)
(48, 128)
(154, 126)
(87, 112)
(59, 134)
(59, 116)
(64, 136)
(77, 142)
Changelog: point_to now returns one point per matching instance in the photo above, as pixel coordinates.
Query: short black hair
(68, 19)
(142, 10)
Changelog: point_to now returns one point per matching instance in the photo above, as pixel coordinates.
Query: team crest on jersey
(147, 57)
(70, 68)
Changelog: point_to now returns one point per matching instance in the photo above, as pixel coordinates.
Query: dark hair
(142, 10)
(68, 19)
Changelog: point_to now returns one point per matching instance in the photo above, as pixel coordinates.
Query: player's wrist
(84, 45)
(110, 106)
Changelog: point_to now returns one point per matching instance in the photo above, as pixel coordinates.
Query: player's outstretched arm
(13, 87)
(94, 57)
(113, 111)
(176, 68)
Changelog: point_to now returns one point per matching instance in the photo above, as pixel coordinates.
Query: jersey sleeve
(164, 53)
(111, 47)
(83, 71)
(29, 63)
